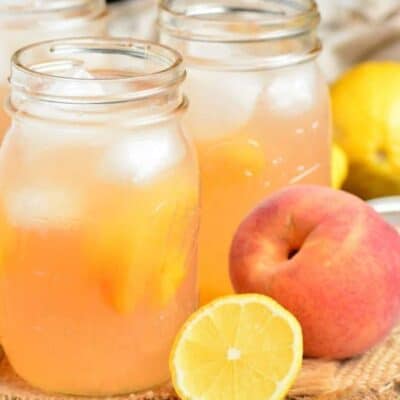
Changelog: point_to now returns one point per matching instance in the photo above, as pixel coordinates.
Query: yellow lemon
(366, 112)
(339, 166)
(237, 347)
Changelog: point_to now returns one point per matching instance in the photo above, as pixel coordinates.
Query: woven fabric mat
(374, 376)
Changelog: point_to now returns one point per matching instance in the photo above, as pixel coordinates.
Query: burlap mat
(374, 376)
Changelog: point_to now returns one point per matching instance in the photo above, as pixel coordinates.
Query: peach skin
(327, 257)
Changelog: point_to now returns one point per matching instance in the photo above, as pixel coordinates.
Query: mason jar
(25, 21)
(98, 215)
(259, 110)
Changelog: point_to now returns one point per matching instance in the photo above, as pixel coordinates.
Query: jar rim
(234, 21)
(35, 70)
(80, 8)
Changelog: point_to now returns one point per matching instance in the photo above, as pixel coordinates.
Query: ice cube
(39, 140)
(290, 91)
(43, 207)
(221, 102)
(75, 86)
(82, 85)
(42, 135)
(140, 156)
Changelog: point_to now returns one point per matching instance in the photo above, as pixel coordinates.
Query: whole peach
(327, 257)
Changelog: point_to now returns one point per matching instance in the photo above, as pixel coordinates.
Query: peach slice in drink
(140, 248)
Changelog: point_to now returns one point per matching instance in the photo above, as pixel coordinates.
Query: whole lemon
(339, 166)
(366, 114)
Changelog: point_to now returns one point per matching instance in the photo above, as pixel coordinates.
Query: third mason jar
(259, 110)
(24, 22)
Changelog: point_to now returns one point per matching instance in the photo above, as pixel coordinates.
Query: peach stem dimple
(292, 253)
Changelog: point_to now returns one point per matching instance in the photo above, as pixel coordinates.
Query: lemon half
(237, 347)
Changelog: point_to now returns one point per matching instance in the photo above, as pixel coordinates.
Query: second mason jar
(98, 216)
(259, 110)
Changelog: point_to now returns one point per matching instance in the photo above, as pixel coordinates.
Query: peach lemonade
(259, 110)
(98, 216)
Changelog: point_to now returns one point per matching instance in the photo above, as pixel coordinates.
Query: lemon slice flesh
(237, 347)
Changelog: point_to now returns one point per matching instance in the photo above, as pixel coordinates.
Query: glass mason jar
(98, 215)
(26, 21)
(259, 110)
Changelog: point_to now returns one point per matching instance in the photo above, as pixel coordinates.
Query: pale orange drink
(98, 216)
(259, 110)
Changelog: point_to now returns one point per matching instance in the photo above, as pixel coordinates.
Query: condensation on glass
(259, 109)
(27, 21)
(98, 215)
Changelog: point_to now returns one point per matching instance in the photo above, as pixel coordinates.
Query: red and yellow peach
(328, 258)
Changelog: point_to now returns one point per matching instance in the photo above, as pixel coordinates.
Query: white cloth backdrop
(358, 30)
(351, 30)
